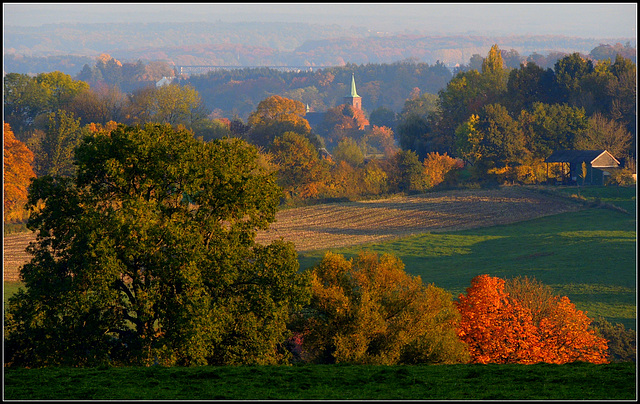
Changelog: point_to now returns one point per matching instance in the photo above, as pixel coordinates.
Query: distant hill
(67, 47)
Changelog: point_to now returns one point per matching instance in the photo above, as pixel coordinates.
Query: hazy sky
(591, 20)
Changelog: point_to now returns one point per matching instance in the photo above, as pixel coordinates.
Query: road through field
(345, 224)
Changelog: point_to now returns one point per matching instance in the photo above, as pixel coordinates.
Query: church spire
(353, 93)
(353, 98)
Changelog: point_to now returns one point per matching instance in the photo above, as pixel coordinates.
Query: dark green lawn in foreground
(579, 381)
(589, 256)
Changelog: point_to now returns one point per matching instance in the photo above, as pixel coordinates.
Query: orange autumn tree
(564, 331)
(18, 172)
(524, 323)
(380, 139)
(497, 329)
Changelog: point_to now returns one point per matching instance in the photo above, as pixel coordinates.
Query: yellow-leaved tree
(368, 310)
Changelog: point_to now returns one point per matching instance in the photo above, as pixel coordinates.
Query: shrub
(369, 311)
(621, 341)
(437, 166)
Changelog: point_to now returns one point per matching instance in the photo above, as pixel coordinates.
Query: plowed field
(352, 223)
(14, 254)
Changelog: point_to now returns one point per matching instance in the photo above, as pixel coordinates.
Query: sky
(589, 20)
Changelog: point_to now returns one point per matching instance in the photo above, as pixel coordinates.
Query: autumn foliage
(437, 166)
(368, 310)
(18, 171)
(521, 327)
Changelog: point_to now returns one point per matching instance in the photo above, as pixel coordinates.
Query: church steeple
(353, 98)
(354, 93)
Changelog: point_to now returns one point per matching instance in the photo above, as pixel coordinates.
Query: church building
(353, 99)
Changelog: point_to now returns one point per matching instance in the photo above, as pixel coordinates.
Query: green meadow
(576, 381)
(588, 256)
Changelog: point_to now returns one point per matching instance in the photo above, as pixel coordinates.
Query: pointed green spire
(353, 87)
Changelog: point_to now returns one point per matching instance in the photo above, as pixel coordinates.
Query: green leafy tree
(60, 89)
(502, 140)
(383, 116)
(620, 340)
(527, 85)
(555, 127)
(416, 124)
(423, 105)
(462, 98)
(494, 69)
(210, 129)
(407, 172)
(147, 254)
(415, 133)
(623, 92)
(348, 150)
(569, 73)
(301, 172)
(368, 310)
(171, 104)
(467, 94)
(23, 101)
(26, 98)
(54, 149)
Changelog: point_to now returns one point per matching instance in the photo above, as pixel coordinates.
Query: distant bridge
(188, 70)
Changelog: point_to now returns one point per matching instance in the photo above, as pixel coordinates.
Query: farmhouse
(164, 81)
(571, 162)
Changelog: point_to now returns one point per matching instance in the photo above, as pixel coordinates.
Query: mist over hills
(68, 46)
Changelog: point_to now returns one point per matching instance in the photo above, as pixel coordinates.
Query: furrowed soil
(353, 223)
(15, 255)
(346, 224)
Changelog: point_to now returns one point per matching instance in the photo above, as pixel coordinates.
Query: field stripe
(353, 223)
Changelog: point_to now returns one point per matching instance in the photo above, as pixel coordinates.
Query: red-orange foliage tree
(17, 176)
(515, 328)
(381, 138)
(567, 337)
(497, 329)
(342, 121)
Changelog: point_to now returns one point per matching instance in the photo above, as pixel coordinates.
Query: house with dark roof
(571, 163)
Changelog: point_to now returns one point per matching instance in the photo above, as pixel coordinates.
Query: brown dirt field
(352, 223)
(14, 254)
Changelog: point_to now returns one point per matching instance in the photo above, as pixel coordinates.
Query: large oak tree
(147, 254)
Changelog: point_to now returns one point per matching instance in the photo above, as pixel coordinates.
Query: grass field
(579, 381)
(449, 237)
(587, 255)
